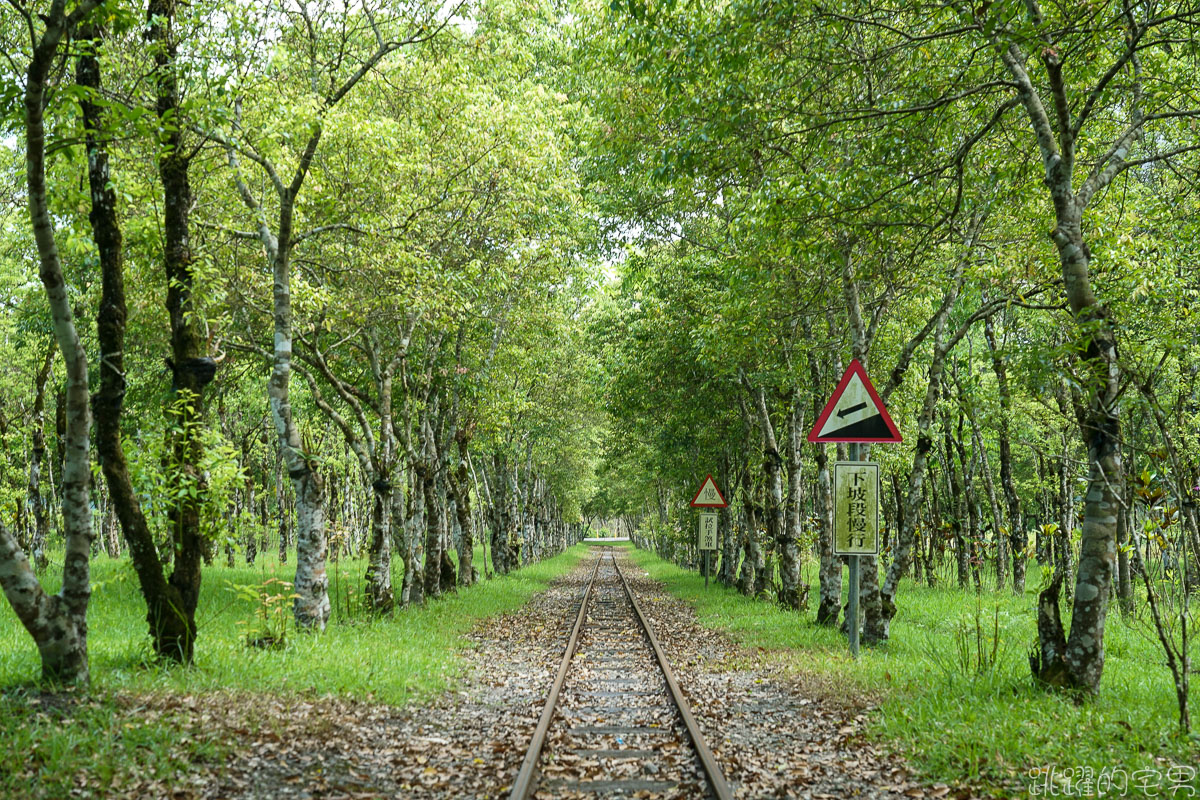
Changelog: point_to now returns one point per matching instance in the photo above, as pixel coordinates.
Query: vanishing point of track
(615, 723)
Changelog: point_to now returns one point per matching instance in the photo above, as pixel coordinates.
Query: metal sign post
(708, 540)
(852, 563)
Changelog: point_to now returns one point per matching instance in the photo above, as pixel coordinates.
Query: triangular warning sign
(854, 413)
(709, 496)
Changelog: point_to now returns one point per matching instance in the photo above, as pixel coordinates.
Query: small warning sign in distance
(709, 496)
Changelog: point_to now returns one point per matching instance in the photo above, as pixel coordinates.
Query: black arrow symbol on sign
(851, 409)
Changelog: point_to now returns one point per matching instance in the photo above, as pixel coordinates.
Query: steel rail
(523, 785)
(712, 770)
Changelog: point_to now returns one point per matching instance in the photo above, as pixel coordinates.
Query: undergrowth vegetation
(954, 688)
(390, 659)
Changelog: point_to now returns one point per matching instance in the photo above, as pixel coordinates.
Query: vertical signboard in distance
(708, 530)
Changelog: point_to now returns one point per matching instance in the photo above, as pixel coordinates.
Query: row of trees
(362, 222)
(990, 207)
(388, 218)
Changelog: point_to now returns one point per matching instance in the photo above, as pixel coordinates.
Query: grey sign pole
(852, 560)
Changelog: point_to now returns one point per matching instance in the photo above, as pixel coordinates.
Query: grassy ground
(50, 742)
(957, 722)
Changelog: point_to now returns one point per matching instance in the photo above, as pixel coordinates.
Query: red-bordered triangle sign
(854, 413)
(708, 495)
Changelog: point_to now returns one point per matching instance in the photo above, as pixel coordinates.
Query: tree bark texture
(57, 623)
(777, 529)
(170, 631)
(37, 503)
(1018, 538)
(830, 575)
(191, 369)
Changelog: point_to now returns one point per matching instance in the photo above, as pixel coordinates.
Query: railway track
(615, 723)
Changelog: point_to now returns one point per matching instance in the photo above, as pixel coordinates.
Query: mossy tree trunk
(57, 623)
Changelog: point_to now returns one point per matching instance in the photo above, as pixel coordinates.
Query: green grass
(390, 659)
(986, 729)
(83, 746)
(51, 745)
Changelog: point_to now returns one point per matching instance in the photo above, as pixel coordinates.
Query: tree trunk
(967, 503)
(412, 588)
(727, 532)
(1064, 560)
(1016, 522)
(434, 520)
(749, 548)
(902, 556)
(57, 623)
(1078, 662)
(378, 589)
(958, 509)
(251, 540)
(998, 527)
(171, 629)
(778, 530)
(191, 369)
(37, 503)
(1124, 578)
(795, 497)
(830, 575)
(467, 574)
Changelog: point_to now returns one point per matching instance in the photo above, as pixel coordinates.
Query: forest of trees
(399, 279)
(992, 208)
(316, 279)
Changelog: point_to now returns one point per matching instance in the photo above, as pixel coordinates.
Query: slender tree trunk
(998, 527)
(830, 575)
(1018, 537)
(974, 536)
(447, 572)
(1064, 553)
(958, 508)
(902, 556)
(500, 514)
(37, 504)
(727, 530)
(1077, 662)
(413, 588)
(191, 369)
(433, 535)
(749, 548)
(1041, 541)
(57, 623)
(1124, 578)
(171, 629)
(281, 508)
(378, 590)
(467, 574)
(760, 548)
(795, 497)
(778, 530)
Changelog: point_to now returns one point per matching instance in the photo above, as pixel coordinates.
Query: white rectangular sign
(856, 508)
(708, 531)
